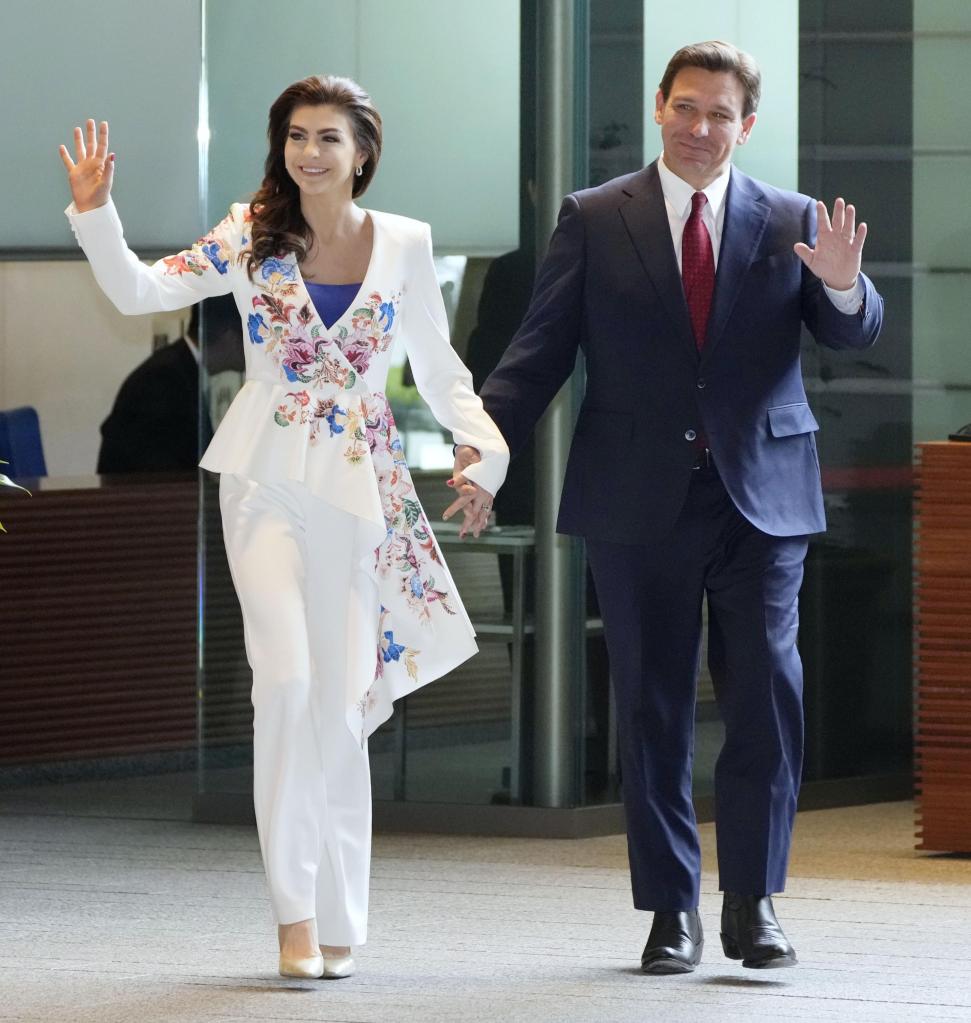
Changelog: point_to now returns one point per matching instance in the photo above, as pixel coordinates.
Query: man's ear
(747, 125)
(658, 107)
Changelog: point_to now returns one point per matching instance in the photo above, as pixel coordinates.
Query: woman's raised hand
(90, 172)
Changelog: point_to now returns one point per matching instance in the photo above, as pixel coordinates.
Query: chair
(20, 443)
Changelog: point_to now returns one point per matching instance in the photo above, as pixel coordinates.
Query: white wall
(63, 347)
(942, 228)
(134, 63)
(769, 31)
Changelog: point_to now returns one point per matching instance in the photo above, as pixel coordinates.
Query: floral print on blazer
(313, 408)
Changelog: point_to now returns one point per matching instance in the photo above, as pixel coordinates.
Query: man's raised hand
(839, 246)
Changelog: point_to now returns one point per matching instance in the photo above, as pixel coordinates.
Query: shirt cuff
(849, 301)
(489, 473)
(91, 219)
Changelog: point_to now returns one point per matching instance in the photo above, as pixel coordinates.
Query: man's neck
(698, 184)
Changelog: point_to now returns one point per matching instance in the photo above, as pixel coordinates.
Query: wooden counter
(942, 604)
(98, 587)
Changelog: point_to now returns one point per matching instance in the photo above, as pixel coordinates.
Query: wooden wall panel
(98, 620)
(98, 627)
(942, 596)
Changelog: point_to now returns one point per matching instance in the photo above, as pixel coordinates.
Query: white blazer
(313, 410)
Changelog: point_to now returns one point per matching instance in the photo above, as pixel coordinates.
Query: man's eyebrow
(686, 97)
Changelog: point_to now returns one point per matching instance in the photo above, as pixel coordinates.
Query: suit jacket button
(701, 383)
(690, 435)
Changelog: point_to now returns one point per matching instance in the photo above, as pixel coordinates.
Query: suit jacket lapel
(745, 221)
(646, 219)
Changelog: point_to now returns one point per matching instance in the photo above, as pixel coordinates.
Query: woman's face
(321, 153)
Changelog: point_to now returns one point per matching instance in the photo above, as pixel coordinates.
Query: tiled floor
(110, 919)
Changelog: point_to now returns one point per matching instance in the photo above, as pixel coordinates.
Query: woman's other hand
(474, 502)
(92, 169)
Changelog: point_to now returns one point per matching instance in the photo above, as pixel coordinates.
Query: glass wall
(860, 100)
(857, 140)
(460, 152)
(450, 157)
(98, 568)
(941, 222)
(863, 99)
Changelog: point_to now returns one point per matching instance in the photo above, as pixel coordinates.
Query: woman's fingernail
(450, 483)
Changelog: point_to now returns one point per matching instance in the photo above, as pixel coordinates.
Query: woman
(346, 600)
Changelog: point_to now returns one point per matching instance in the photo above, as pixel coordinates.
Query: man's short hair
(714, 55)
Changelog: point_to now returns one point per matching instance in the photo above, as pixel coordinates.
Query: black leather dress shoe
(674, 944)
(750, 932)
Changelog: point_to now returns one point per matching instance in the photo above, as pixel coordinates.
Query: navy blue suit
(661, 535)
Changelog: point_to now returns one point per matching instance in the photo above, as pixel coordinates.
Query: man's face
(701, 123)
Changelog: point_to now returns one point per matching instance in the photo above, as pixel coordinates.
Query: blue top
(331, 300)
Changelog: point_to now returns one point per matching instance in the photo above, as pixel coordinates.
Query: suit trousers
(309, 618)
(651, 601)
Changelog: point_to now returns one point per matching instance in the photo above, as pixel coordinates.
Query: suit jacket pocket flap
(787, 420)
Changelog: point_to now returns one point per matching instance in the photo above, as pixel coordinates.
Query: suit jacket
(506, 291)
(154, 422)
(610, 287)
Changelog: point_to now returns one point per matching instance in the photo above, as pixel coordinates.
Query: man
(693, 472)
(154, 423)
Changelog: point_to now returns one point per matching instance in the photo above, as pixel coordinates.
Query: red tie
(697, 268)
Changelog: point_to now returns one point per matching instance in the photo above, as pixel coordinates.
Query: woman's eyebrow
(298, 127)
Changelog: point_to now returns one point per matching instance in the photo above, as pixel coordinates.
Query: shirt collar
(678, 193)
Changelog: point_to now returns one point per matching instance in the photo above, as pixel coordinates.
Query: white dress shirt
(677, 200)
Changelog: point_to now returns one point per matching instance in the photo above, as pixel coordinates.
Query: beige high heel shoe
(311, 968)
(305, 967)
(337, 967)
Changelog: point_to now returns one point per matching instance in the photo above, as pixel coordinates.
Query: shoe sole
(665, 967)
(732, 951)
(291, 975)
(775, 963)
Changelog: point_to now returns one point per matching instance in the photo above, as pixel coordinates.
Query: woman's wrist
(88, 207)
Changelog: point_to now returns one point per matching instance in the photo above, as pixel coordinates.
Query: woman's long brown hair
(278, 226)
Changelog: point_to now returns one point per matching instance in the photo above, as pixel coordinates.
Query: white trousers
(310, 617)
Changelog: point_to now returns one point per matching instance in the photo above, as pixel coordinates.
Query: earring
(359, 171)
